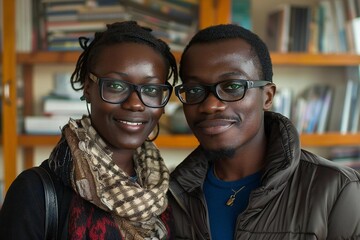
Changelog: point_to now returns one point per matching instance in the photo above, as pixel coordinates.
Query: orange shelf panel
(313, 59)
(163, 141)
(189, 141)
(330, 139)
(296, 59)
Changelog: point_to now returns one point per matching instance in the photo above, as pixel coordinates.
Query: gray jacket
(303, 196)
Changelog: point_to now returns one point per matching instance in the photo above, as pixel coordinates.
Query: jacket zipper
(184, 209)
(202, 199)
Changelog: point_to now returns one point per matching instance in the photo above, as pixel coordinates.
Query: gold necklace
(232, 197)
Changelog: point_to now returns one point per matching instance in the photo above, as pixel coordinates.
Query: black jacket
(22, 216)
(302, 196)
(23, 213)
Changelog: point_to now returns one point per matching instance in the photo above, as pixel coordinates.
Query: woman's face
(128, 124)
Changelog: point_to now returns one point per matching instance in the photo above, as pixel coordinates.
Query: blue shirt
(217, 192)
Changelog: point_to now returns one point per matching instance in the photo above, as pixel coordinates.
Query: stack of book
(312, 109)
(283, 102)
(350, 118)
(56, 113)
(288, 28)
(348, 156)
(60, 23)
(327, 27)
(59, 106)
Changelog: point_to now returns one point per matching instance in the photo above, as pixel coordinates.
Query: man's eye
(195, 90)
(232, 86)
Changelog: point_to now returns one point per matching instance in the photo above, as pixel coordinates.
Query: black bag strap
(51, 204)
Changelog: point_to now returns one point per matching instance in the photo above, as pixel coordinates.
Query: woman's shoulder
(23, 206)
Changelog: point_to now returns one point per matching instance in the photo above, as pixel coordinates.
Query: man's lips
(215, 126)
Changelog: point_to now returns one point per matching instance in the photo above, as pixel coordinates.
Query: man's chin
(214, 154)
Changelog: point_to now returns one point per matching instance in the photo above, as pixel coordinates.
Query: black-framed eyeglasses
(116, 91)
(228, 90)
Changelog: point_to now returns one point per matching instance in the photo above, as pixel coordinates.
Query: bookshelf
(11, 141)
(209, 13)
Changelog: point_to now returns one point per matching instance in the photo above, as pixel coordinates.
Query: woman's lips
(130, 125)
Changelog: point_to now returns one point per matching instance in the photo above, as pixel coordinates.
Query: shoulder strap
(51, 205)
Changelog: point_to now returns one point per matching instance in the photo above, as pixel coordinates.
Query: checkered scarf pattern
(99, 180)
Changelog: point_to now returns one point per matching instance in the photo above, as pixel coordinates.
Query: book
(311, 111)
(172, 21)
(329, 38)
(24, 27)
(325, 111)
(348, 156)
(277, 28)
(75, 26)
(340, 21)
(240, 13)
(45, 125)
(288, 28)
(283, 101)
(350, 114)
(355, 34)
(55, 106)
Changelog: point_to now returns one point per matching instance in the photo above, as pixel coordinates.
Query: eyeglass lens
(152, 95)
(227, 91)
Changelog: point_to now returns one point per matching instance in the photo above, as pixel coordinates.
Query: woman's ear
(268, 96)
(86, 92)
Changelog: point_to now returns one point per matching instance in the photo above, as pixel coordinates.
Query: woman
(110, 179)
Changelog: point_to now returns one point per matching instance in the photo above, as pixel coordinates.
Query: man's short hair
(232, 31)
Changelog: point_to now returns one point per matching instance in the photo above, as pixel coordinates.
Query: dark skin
(220, 125)
(125, 126)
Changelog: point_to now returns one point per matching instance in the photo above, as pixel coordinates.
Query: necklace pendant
(231, 200)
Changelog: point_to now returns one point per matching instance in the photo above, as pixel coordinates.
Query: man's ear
(268, 96)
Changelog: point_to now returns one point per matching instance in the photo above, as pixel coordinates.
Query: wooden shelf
(308, 59)
(330, 139)
(295, 59)
(163, 141)
(49, 57)
(189, 141)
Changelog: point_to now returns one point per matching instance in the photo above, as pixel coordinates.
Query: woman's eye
(118, 86)
(151, 90)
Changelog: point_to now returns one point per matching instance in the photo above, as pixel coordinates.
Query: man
(249, 178)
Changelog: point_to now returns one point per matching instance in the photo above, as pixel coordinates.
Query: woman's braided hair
(128, 31)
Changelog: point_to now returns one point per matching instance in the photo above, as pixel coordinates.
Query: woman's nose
(133, 102)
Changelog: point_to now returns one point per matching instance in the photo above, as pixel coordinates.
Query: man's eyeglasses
(117, 91)
(228, 90)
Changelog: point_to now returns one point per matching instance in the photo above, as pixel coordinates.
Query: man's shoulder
(324, 167)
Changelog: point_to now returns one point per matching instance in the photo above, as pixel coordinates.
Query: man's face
(217, 124)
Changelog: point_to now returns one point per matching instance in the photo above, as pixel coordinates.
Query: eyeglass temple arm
(258, 83)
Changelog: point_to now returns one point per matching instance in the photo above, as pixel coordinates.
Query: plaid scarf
(135, 205)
